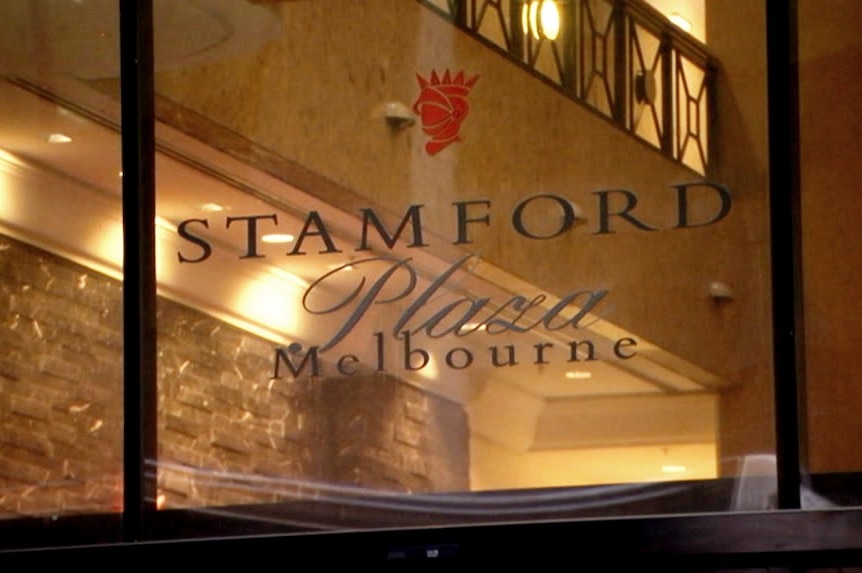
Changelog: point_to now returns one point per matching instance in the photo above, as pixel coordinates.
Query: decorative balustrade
(622, 58)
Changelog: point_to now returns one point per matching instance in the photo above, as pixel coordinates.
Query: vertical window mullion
(784, 195)
(139, 280)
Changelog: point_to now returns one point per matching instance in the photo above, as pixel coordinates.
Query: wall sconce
(541, 18)
(680, 21)
(398, 115)
(720, 291)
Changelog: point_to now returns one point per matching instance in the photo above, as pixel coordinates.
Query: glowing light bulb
(541, 18)
(550, 18)
(680, 21)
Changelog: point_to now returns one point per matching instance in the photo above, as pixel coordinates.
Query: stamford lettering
(614, 210)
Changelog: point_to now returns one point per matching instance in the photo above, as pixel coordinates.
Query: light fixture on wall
(541, 18)
(720, 291)
(680, 21)
(398, 115)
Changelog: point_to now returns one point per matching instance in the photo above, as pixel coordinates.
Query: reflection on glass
(60, 262)
(422, 285)
(412, 273)
(829, 122)
(499, 304)
(480, 327)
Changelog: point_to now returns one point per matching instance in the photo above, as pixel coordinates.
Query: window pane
(830, 122)
(414, 273)
(60, 266)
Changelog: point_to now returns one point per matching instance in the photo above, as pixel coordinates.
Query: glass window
(61, 249)
(439, 262)
(419, 263)
(830, 121)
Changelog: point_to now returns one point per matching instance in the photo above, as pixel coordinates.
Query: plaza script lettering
(517, 314)
(613, 208)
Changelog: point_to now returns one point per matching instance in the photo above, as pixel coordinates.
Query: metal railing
(622, 58)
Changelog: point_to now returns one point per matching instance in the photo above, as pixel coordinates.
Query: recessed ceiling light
(578, 375)
(212, 207)
(673, 469)
(59, 138)
(277, 238)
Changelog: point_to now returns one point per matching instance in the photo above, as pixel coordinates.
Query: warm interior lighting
(277, 238)
(431, 371)
(534, 23)
(526, 10)
(106, 243)
(673, 469)
(269, 301)
(497, 467)
(290, 278)
(59, 138)
(7, 199)
(680, 21)
(163, 223)
(541, 18)
(212, 207)
(550, 18)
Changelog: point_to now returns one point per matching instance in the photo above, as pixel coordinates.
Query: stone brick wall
(222, 420)
(228, 433)
(60, 385)
(391, 436)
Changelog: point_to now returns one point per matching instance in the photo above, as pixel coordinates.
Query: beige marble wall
(737, 39)
(831, 125)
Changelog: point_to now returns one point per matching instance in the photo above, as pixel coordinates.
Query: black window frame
(786, 537)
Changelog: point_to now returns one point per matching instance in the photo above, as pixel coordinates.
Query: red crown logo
(442, 106)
